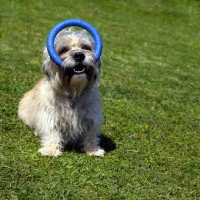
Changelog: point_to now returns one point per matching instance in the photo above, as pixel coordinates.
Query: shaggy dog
(64, 107)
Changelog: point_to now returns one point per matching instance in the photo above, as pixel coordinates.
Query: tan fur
(62, 108)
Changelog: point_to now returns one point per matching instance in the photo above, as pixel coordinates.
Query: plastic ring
(73, 22)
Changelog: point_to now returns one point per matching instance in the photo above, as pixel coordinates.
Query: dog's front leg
(91, 145)
(51, 145)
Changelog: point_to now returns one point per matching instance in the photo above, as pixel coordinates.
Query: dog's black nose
(79, 57)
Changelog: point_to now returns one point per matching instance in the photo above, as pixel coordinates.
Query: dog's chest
(72, 118)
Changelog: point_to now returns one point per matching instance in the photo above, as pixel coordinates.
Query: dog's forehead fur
(73, 39)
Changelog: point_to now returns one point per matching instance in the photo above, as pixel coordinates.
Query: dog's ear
(96, 76)
(47, 65)
(99, 63)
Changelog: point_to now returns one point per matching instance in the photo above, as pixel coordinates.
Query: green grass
(150, 85)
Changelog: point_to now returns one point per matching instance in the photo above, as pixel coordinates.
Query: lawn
(150, 86)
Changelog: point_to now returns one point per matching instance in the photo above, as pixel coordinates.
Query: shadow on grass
(105, 142)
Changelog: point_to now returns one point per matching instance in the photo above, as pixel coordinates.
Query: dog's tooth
(78, 72)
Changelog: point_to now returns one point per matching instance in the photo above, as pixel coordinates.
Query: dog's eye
(86, 47)
(63, 50)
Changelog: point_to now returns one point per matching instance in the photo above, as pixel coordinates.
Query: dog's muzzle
(79, 68)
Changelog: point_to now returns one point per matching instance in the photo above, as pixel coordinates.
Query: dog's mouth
(78, 69)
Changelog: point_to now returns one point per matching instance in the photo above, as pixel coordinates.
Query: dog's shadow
(106, 143)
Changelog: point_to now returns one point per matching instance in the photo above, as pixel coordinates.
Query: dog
(64, 107)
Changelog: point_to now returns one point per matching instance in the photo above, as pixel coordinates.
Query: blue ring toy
(73, 22)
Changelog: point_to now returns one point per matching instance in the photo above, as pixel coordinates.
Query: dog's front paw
(97, 152)
(47, 151)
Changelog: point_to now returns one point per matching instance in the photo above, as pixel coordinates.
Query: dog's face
(76, 49)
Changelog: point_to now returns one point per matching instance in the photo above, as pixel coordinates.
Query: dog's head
(76, 49)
